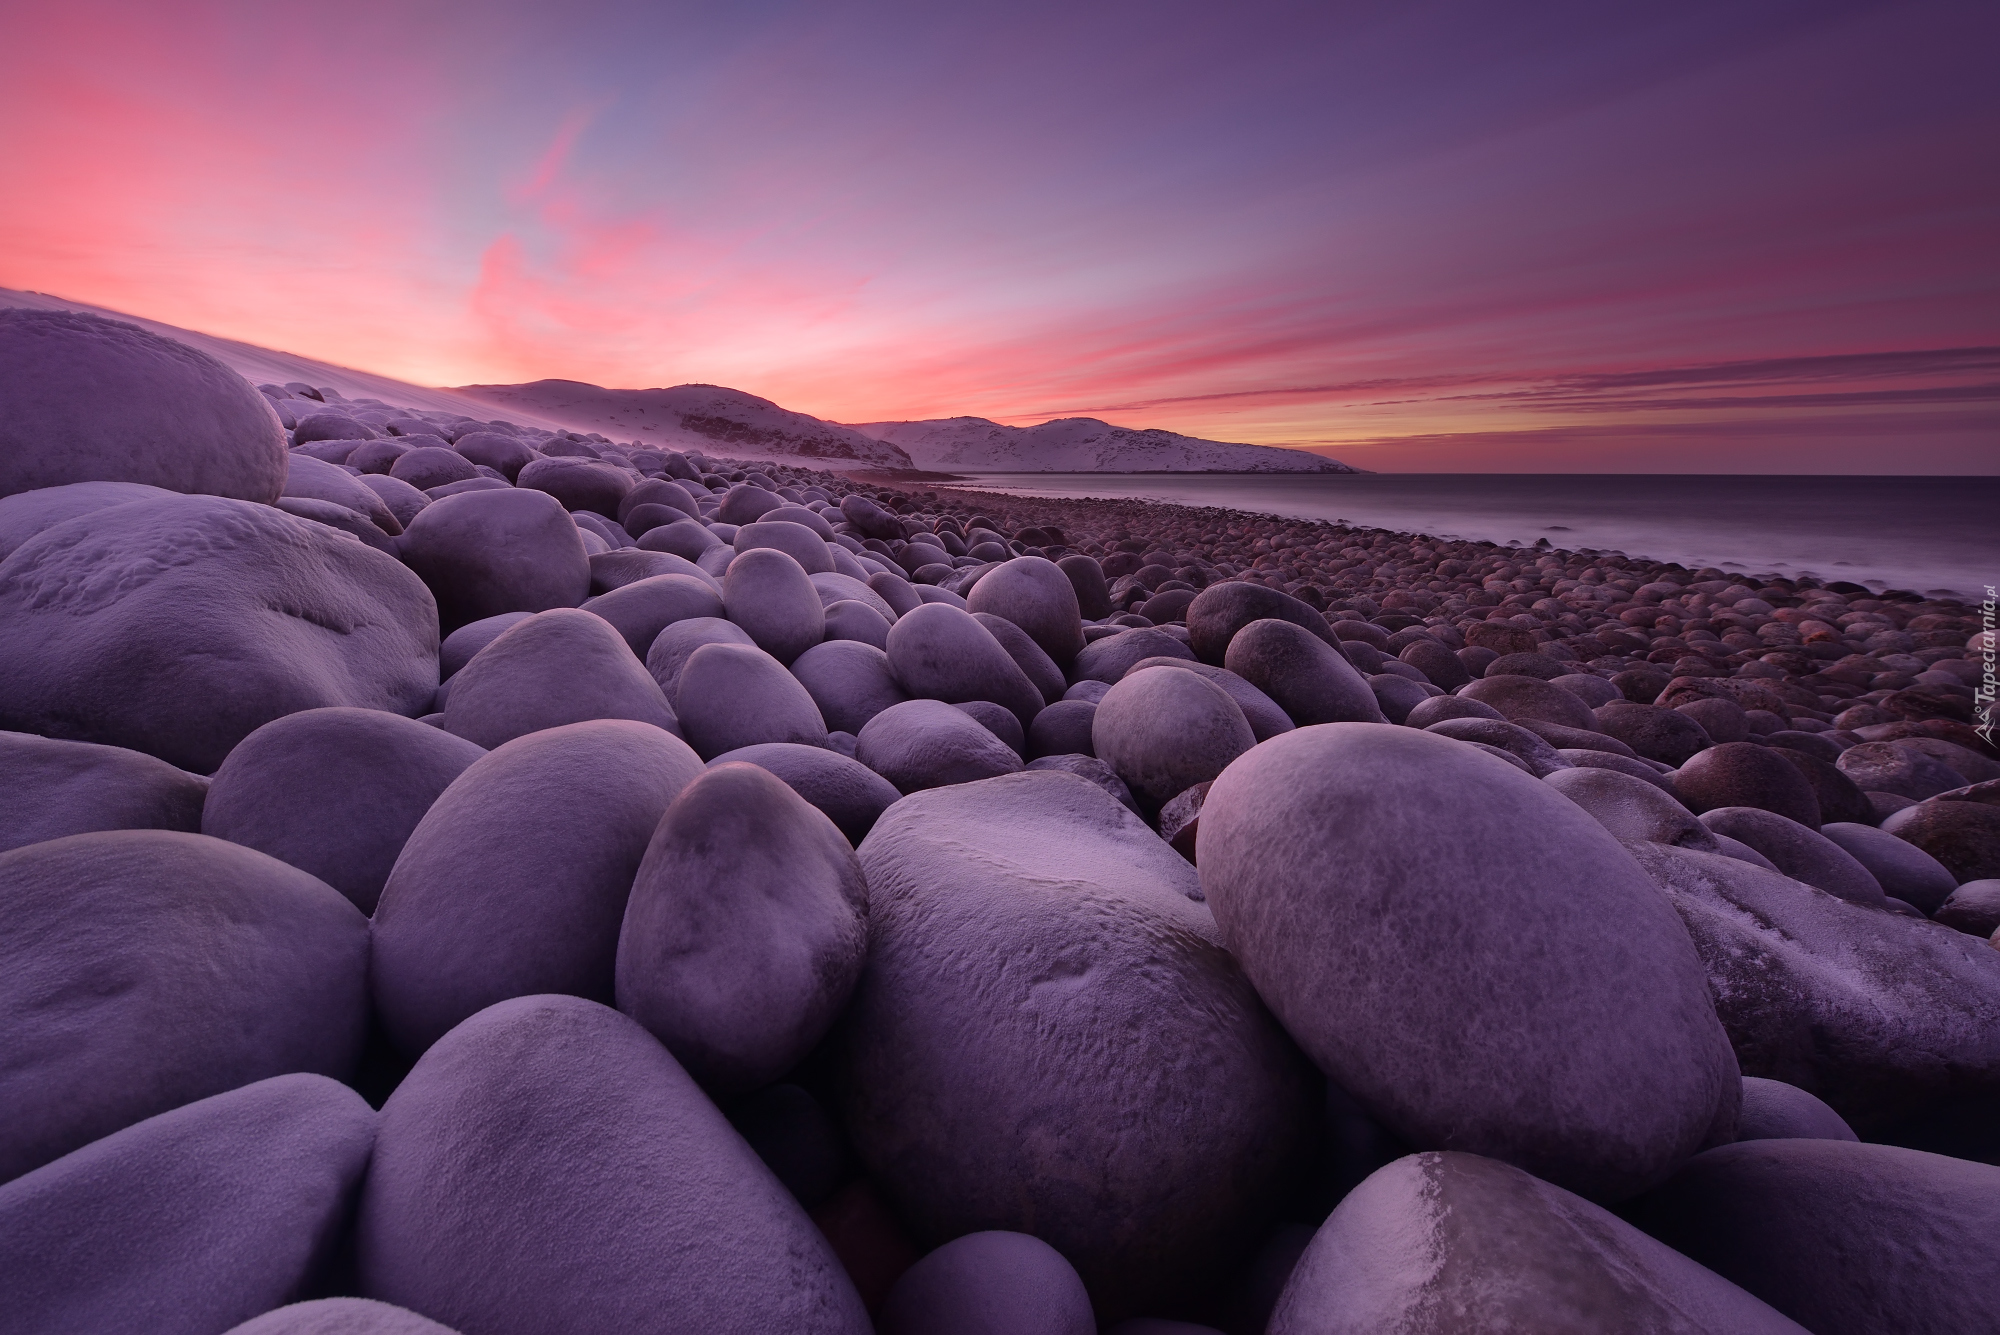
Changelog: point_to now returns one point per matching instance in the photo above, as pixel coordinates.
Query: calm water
(1923, 533)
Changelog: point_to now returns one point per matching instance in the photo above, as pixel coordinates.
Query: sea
(1939, 536)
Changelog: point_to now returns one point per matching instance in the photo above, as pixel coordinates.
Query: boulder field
(457, 876)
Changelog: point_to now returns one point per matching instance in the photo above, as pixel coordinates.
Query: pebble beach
(462, 876)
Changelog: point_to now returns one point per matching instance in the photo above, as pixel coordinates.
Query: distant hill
(693, 417)
(1082, 445)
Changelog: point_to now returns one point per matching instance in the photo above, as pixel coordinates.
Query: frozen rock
(1631, 808)
(487, 552)
(1802, 854)
(639, 611)
(1164, 729)
(96, 400)
(941, 653)
(176, 626)
(1034, 594)
(556, 667)
(115, 996)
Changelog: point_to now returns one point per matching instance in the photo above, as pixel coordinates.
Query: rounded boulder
(1381, 886)
(1744, 774)
(487, 552)
(1164, 729)
(923, 744)
(1033, 593)
(735, 695)
(556, 667)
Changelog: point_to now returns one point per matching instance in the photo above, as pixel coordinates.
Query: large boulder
(1384, 889)
(557, 667)
(745, 929)
(639, 611)
(1774, 1110)
(191, 1221)
(1802, 854)
(144, 969)
(578, 484)
(1899, 768)
(1879, 1016)
(1165, 729)
(1522, 699)
(334, 792)
(1036, 665)
(1963, 837)
(1049, 1038)
(1260, 711)
(340, 1316)
(177, 626)
(51, 788)
(849, 681)
(487, 552)
(1439, 1244)
(549, 1169)
(1655, 732)
(1110, 657)
(96, 400)
(1309, 679)
(1631, 808)
(515, 880)
(1034, 594)
(1843, 1237)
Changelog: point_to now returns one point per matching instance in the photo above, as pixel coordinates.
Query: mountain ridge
(1084, 445)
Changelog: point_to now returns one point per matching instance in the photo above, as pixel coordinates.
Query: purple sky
(1744, 237)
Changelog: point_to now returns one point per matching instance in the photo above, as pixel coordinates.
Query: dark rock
(1221, 610)
(1802, 854)
(1438, 664)
(1604, 1075)
(1036, 595)
(1893, 767)
(51, 788)
(1593, 691)
(433, 466)
(996, 721)
(1723, 720)
(1537, 757)
(1016, 925)
(1838, 798)
(1537, 665)
(1111, 657)
(515, 881)
(1086, 578)
(334, 792)
(673, 647)
(340, 1316)
(1845, 1238)
(1520, 698)
(487, 552)
(769, 595)
(579, 484)
(1744, 774)
(1439, 1243)
(744, 932)
(1164, 729)
(96, 400)
(1396, 696)
(1035, 665)
(193, 1220)
(1963, 836)
(1973, 908)
(1091, 770)
(1063, 728)
(794, 540)
(1441, 707)
(115, 996)
(1666, 735)
(1575, 739)
(1774, 1110)
(496, 450)
(1583, 758)
(1307, 678)
(1631, 808)
(796, 1139)
(549, 1167)
(941, 653)
(989, 1283)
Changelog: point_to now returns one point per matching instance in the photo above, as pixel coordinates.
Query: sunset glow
(1718, 237)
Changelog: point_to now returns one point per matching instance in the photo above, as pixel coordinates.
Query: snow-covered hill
(1082, 445)
(693, 417)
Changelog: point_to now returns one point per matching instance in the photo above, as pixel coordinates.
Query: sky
(1754, 236)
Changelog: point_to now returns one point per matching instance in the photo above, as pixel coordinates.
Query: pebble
(1631, 807)
(850, 681)
(1063, 728)
(1536, 756)
(1040, 670)
(113, 997)
(989, 1283)
(1220, 611)
(515, 880)
(1307, 678)
(1111, 657)
(1401, 976)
